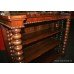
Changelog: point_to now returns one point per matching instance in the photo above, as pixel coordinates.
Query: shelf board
(40, 35)
(36, 50)
(48, 57)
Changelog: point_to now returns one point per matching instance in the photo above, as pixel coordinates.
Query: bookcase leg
(17, 45)
(66, 35)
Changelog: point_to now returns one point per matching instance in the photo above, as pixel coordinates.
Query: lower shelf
(36, 50)
(48, 57)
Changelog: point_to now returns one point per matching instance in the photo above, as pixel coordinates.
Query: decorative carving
(17, 43)
(66, 35)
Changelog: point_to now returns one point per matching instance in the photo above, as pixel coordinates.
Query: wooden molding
(13, 21)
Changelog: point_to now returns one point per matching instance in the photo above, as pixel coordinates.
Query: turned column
(66, 35)
(17, 45)
(13, 25)
(17, 23)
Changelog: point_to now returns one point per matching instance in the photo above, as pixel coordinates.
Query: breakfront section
(35, 36)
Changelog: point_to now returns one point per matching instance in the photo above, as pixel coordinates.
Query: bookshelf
(35, 36)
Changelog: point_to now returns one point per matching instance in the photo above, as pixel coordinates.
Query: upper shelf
(18, 21)
(36, 36)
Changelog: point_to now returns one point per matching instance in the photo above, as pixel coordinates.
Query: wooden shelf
(36, 50)
(48, 57)
(33, 37)
(38, 33)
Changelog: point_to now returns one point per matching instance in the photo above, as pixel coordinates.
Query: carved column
(66, 35)
(17, 45)
(13, 24)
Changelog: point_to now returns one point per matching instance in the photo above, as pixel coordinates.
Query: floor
(69, 56)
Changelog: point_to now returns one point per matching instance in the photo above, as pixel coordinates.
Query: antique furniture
(35, 36)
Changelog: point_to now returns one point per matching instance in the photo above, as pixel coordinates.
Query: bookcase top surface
(17, 21)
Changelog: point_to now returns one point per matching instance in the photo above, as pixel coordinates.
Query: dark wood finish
(36, 50)
(13, 23)
(48, 57)
(36, 36)
(2, 47)
(27, 47)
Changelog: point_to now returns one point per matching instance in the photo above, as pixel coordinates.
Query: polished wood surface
(13, 21)
(34, 51)
(27, 45)
(2, 47)
(48, 57)
(33, 37)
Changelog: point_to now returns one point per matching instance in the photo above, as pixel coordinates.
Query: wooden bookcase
(35, 37)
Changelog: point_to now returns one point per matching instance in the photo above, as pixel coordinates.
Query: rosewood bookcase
(35, 37)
